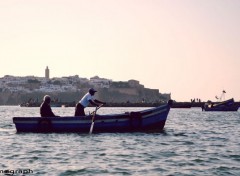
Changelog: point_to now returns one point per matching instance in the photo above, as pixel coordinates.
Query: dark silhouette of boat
(228, 105)
(145, 120)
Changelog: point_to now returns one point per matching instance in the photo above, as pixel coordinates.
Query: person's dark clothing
(46, 111)
(79, 110)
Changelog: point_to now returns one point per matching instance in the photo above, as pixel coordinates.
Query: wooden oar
(94, 113)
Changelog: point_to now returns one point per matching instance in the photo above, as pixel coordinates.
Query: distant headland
(15, 90)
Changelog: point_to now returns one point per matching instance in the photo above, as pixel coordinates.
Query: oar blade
(91, 129)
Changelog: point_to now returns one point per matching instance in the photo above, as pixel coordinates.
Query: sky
(189, 48)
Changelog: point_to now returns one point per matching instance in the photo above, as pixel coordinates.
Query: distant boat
(228, 105)
(145, 120)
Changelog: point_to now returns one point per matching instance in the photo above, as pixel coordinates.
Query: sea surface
(192, 143)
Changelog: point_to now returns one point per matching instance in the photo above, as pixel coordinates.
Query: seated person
(45, 108)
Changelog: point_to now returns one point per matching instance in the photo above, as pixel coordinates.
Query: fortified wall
(18, 90)
(110, 95)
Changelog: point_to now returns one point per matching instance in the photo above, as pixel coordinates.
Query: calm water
(192, 143)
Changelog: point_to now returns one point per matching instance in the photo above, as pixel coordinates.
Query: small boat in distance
(146, 120)
(227, 105)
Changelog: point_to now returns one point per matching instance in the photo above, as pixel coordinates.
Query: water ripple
(192, 143)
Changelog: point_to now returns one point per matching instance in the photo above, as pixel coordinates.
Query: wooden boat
(149, 119)
(228, 105)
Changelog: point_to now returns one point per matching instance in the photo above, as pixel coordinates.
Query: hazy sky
(189, 48)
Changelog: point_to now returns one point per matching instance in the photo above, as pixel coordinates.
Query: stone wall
(111, 95)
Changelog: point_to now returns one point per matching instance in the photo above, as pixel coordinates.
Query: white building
(100, 82)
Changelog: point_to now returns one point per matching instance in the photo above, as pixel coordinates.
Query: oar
(94, 113)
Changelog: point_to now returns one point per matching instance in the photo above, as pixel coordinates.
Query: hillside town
(45, 84)
(32, 88)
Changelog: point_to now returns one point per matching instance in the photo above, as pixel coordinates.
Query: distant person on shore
(45, 108)
(84, 102)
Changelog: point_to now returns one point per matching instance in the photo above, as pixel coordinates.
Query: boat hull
(228, 105)
(150, 119)
(233, 108)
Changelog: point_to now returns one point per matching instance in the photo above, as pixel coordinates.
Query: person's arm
(93, 103)
(46, 111)
(51, 114)
(98, 101)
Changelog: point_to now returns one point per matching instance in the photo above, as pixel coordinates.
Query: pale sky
(189, 48)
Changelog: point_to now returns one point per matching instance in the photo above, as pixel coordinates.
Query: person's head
(92, 91)
(47, 99)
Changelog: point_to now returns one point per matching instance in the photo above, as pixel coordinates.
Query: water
(192, 143)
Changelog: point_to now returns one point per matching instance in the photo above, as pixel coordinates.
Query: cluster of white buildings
(45, 84)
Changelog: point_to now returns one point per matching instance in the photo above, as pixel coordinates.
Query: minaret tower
(47, 73)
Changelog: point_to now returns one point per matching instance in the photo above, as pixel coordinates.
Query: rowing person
(84, 102)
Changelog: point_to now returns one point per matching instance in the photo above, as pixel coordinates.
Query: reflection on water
(192, 143)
